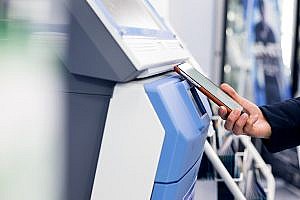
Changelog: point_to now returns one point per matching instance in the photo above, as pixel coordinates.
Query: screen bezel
(126, 31)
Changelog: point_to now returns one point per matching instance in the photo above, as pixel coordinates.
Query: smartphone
(207, 87)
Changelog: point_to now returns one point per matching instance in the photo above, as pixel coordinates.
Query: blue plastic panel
(182, 190)
(185, 128)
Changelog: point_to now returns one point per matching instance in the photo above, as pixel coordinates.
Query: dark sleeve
(284, 119)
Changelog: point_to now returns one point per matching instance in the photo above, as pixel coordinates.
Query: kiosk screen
(137, 16)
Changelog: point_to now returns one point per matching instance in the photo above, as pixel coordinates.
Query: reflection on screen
(130, 13)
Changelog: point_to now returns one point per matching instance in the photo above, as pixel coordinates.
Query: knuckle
(229, 121)
(221, 114)
(220, 111)
(238, 123)
(231, 118)
(246, 129)
(234, 95)
(226, 126)
(241, 123)
(239, 126)
(249, 123)
(237, 130)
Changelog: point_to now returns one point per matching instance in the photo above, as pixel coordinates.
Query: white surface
(31, 121)
(38, 11)
(162, 6)
(206, 189)
(143, 52)
(139, 16)
(131, 146)
(194, 22)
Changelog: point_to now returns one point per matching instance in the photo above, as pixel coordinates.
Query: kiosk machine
(136, 130)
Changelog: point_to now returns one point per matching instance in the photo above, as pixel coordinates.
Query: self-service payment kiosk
(135, 129)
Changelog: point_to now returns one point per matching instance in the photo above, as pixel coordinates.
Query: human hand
(252, 122)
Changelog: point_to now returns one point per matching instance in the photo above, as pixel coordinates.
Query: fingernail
(245, 116)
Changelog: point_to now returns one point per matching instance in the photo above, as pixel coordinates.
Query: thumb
(234, 95)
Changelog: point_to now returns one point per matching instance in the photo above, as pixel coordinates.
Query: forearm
(284, 119)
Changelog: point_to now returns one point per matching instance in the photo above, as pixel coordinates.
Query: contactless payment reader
(136, 130)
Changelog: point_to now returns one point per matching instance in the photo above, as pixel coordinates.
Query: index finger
(235, 96)
(222, 112)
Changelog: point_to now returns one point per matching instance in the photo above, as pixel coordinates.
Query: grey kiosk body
(92, 72)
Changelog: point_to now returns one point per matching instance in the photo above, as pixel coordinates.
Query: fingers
(250, 124)
(234, 122)
(239, 125)
(222, 112)
(231, 119)
(230, 91)
(249, 106)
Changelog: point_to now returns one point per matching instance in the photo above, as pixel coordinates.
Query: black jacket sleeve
(284, 119)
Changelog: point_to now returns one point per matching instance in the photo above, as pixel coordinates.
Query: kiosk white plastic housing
(134, 131)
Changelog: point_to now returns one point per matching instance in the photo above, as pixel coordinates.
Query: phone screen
(198, 79)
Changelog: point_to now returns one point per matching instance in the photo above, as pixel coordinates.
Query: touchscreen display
(131, 13)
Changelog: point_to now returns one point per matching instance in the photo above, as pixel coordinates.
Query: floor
(284, 191)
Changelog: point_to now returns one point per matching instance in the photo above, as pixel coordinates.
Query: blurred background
(31, 107)
(221, 35)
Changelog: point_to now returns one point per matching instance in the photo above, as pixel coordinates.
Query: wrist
(268, 129)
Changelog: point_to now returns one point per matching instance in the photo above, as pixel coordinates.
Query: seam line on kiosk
(105, 95)
(172, 182)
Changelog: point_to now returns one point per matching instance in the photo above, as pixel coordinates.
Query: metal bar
(217, 163)
(260, 163)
